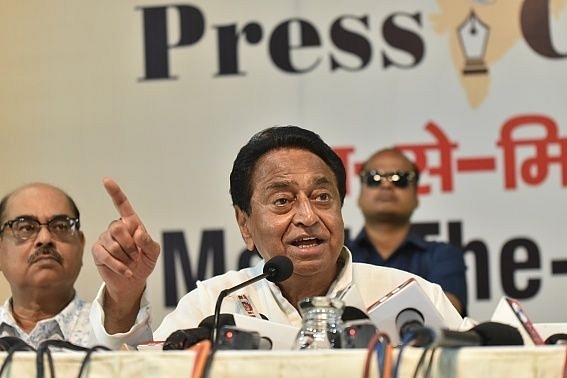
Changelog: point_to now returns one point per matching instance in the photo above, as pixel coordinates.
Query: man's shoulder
(230, 278)
(381, 272)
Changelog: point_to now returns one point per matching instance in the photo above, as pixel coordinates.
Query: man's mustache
(45, 250)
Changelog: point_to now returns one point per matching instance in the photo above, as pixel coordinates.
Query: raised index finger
(119, 199)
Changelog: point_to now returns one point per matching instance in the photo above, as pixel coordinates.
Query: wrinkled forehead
(283, 165)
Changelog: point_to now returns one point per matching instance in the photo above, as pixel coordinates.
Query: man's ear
(82, 239)
(1, 259)
(242, 220)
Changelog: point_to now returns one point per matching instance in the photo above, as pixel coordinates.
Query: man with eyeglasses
(41, 251)
(387, 199)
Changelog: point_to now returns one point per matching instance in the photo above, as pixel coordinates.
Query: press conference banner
(160, 96)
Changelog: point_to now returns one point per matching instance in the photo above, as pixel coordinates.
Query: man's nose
(304, 213)
(43, 235)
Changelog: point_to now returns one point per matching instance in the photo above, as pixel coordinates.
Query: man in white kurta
(372, 282)
(287, 188)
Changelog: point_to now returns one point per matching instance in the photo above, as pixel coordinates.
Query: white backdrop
(79, 101)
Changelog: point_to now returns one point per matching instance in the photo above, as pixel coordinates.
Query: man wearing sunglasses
(41, 252)
(387, 199)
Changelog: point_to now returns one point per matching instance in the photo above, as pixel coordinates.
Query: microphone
(408, 321)
(185, 338)
(353, 313)
(359, 329)
(411, 326)
(483, 334)
(278, 268)
(230, 337)
(556, 338)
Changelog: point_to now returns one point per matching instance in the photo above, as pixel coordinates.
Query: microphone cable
(11, 345)
(87, 358)
(415, 336)
(43, 350)
(406, 340)
(421, 362)
(379, 343)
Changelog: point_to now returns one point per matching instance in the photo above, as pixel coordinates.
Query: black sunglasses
(400, 179)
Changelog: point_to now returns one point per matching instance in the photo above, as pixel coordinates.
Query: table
(484, 362)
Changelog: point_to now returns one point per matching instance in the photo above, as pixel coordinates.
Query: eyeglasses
(400, 179)
(61, 227)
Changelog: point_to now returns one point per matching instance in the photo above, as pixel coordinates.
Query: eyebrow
(323, 181)
(29, 216)
(283, 184)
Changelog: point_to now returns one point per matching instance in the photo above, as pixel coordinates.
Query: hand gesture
(125, 254)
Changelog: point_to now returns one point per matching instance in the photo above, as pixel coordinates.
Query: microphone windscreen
(556, 338)
(278, 268)
(224, 320)
(353, 313)
(494, 333)
(185, 338)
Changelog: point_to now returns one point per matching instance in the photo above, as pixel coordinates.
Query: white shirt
(71, 324)
(371, 281)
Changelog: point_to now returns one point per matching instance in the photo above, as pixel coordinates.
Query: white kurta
(372, 282)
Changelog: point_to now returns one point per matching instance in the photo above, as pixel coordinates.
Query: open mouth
(307, 242)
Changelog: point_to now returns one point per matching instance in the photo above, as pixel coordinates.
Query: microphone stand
(270, 272)
(215, 336)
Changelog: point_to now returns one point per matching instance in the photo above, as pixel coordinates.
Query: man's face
(28, 264)
(387, 202)
(295, 211)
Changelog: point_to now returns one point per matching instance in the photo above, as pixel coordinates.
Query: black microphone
(358, 328)
(408, 321)
(556, 338)
(486, 334)
(278, 268)
(353, 313)
(185, 338)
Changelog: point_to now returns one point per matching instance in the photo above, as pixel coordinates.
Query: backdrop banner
(161, 96)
